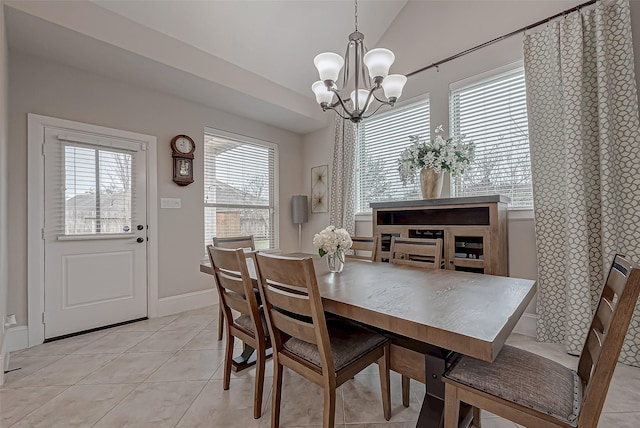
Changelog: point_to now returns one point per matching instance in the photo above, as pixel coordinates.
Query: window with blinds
(381, 139)
(97, 190)
(492, 112)
(240, 188)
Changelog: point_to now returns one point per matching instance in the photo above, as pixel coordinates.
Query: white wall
(51, 89)
(3, 180)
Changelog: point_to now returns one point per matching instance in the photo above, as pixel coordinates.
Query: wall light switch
(170, 203)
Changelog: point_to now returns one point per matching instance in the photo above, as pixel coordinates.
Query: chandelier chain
(356, 13)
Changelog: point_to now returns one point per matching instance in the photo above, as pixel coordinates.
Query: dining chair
(421, 252)
(534, 391)
(327, 352)
(232, 242)
(235, 290)
(363, 243)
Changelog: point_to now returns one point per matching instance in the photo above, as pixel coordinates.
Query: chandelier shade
(393, 85)
(322, 94)
(377, 62)
(361, 101)
(329, 65)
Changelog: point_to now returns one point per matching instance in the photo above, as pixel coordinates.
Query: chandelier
(364, 95)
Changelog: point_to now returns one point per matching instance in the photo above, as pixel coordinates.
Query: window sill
(364, 217)
(520, 214)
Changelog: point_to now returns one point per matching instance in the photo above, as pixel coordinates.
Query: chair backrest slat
(594, 345)
(285, 272)
(288, 301)
(617, 279)
(363, 243)
(606, 335)
(604, 314)
(234, 242)
(293, 327)
(231, 281)
(236, 302)
(293, 305)
(416, 252)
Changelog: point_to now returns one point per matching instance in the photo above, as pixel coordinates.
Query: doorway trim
(35, 217)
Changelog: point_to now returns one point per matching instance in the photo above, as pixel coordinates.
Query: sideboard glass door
(469, 249)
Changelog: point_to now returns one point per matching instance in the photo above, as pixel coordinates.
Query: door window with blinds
(381, 139)
(492, 112)
(97, 196)
(240, 191)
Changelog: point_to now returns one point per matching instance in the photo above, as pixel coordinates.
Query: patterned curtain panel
(342, 207)
(585, 159)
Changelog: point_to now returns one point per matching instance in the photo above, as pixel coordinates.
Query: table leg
(432, 414)
(432, 411)
(247, 358)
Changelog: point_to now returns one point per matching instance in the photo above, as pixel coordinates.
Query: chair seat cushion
(349, 342)
(524, 378)
(246, 322)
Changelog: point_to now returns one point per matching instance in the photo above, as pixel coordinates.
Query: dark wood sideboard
(473, 229)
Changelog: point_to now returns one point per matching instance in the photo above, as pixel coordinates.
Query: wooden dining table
(451, 311)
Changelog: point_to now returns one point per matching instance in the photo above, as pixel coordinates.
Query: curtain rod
(498, 39)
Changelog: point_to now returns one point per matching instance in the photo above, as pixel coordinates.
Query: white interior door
(95, 231)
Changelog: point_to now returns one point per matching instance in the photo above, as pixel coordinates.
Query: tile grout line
(191, 404)
(39, 407)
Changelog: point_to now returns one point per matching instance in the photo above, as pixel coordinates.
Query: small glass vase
(335, 261)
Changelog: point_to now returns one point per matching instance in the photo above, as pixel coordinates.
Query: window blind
(98, 197)
(239, 189)
(381, 139)
(492, 113)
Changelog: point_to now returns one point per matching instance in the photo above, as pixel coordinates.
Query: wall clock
(182, 147)
(319, 189)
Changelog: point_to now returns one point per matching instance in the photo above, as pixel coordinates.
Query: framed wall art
(319, 189)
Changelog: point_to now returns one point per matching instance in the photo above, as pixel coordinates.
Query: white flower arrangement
(331, 240)
(439, 153)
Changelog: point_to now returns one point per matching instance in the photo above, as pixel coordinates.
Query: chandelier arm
(385, 102)
(345, 73)
(365, 76)
(374, 112)
(338, 112)
(366, 103)
(342, 103)
(358, 59)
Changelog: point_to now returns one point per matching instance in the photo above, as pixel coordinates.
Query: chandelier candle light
(378, 62)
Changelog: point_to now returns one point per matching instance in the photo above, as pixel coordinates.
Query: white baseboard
(527, 325)
(14, 339)
(2, 366)
(17, 338)
(186, 302)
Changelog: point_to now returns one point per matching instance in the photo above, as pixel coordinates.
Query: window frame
(273, 198)
(473, 80)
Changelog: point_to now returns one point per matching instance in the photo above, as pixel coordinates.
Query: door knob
(140, 227)
(140, 240)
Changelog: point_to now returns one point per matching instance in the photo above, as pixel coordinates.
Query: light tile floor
(167, 372)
